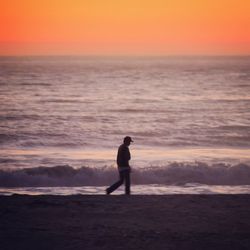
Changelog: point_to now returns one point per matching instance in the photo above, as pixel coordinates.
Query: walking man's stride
(123, 157)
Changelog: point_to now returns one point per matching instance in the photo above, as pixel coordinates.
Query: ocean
(62, 119)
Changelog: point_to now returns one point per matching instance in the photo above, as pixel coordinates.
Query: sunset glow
(124, 27)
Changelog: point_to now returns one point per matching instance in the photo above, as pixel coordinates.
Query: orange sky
(162, 27)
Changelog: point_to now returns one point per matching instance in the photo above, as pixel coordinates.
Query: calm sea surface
(189, 118)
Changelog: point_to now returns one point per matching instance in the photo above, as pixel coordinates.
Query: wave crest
(172, 174)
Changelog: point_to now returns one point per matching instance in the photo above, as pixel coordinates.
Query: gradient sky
(164, 27)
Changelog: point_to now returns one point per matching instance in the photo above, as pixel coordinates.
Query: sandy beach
(125, 222)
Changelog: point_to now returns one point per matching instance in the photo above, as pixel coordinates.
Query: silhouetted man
(123, 157)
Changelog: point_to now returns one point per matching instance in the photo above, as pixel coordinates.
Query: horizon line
(126, 55)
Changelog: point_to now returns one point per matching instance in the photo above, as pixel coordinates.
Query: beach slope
(180, 222)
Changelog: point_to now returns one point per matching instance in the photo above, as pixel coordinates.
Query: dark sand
(180, 222)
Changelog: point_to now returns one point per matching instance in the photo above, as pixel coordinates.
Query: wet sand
(180, 222)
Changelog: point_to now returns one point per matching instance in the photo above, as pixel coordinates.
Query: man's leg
(127, 182)
(116, 185)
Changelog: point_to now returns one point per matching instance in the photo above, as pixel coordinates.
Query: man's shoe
(107, 191)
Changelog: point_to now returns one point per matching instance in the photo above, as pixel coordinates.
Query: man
(123, 157)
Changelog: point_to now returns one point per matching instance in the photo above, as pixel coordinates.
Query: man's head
(127, 140)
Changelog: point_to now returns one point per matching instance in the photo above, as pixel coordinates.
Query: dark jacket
(123, 156)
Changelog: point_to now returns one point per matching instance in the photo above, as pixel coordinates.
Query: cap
(128, 138)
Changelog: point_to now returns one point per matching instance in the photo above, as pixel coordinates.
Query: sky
(125, 27)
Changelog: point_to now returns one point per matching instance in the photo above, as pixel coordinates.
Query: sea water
(62, 119)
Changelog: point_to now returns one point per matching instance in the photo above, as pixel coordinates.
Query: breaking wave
(172, 174)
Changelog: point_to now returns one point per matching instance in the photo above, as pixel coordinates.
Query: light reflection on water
(141, 156)
(76, 110)
(136, 190)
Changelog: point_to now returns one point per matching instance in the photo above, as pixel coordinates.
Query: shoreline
(180, 221)
(139, 189)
